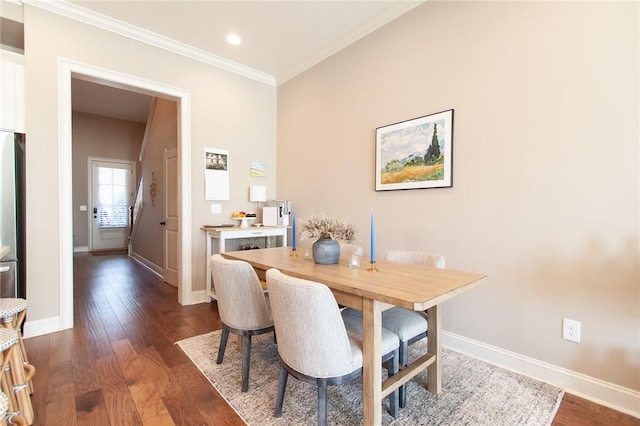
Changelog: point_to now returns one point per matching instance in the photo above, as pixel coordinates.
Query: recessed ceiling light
(234, 39)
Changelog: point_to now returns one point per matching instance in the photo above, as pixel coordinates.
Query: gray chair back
(241, 300)
(420, 258)
(312, 338)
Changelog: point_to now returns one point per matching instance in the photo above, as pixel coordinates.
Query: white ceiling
(280, 38)
(98, 99)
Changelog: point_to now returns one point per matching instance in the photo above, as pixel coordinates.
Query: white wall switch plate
(216, 208)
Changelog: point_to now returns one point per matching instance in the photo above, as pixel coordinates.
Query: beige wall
(545, 166)
(163, 134)
(102, 137)
(227, 112)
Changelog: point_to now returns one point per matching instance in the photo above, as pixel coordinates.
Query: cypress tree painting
(433, 152)
(415, 153)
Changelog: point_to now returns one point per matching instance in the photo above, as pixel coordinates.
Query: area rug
(474, 392)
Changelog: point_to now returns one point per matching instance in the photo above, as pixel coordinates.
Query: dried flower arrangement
(326, 227)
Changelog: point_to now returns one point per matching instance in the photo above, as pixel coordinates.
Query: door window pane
(113, 205)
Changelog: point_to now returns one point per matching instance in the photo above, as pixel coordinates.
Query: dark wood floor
(119, 364)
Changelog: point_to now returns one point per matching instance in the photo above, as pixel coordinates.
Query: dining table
(372, 291)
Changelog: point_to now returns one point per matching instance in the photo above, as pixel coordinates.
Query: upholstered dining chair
(243, 307)
(314, 345)
(409, 326)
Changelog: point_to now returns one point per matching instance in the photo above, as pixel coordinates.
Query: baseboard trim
(42, 326)
(604, 393)
(81, 249)
(199, 296)
(147, 263)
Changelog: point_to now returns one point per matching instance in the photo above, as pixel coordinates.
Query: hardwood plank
(118, 401)
(207, 312)
(60, 347)
(60, 374)
(171, 354)
(576, 411)
(146, 389)
(82, 361)
(61, 404)
(154, 366)
(195, 395)
(38, 351)
(97, 336)
(91, 410)
(179, 404)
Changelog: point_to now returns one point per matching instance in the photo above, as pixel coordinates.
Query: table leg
(372, 362)
(434, 346)
(208, 279)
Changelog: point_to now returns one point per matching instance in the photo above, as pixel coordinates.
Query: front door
(111, 197)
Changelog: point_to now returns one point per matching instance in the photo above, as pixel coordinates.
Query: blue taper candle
(373, 239)
(293, 230)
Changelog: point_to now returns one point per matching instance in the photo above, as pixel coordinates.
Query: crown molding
(98, 20)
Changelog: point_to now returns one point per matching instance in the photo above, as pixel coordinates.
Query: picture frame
(216, 174)
(258, 168)
(411, 155)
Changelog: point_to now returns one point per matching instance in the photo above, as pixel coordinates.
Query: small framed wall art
(258, 168)
(416, 153)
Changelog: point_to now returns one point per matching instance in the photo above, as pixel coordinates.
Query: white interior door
(111, 195)
(171, 216)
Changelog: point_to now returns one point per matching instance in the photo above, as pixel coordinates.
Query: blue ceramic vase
(326, 251)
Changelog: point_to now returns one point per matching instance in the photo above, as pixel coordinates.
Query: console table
(217, 243)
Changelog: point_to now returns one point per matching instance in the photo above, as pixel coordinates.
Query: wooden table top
(411, 286)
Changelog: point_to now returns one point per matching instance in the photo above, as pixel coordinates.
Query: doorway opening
(68, 70)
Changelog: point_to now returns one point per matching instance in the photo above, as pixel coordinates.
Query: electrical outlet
(571, 330)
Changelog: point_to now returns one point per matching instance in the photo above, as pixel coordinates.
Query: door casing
(66, 70)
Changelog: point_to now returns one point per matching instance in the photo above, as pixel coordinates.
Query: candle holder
(372, 268)
(294, 253)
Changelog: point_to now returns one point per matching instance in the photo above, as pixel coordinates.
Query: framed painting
(416, 153)
(258, 168)
(216, 174)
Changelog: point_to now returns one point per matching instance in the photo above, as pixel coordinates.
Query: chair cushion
(9, 307)
(8, 338)
(353, 324)
(402, 322)
(4, 404)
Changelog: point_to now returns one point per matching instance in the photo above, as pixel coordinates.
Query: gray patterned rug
(474, 392)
